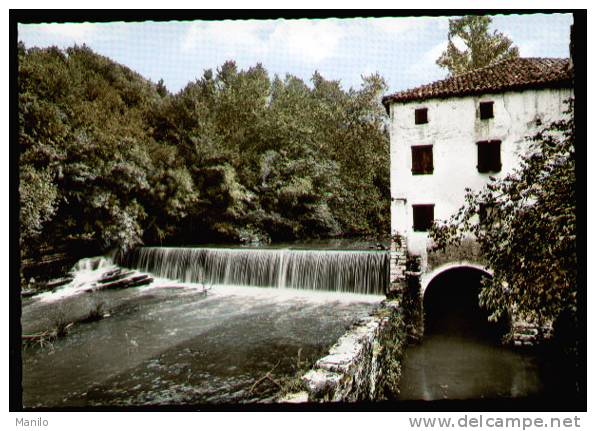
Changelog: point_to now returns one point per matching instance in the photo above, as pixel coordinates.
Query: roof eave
(388, 100)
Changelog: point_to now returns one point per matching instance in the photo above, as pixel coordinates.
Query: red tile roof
(507, 75)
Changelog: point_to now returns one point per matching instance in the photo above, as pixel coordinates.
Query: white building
(455, 133)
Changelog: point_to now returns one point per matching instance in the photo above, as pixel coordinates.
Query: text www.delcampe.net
(484, 421)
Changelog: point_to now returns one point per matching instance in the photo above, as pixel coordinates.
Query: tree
(528, 232)
(38, 201)
(295, 194)
(481, 47)
(277, 159)
(89, 168)
(110, 158)
(161, 88)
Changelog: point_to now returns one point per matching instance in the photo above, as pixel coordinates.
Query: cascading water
(362, 272)
(92, 264)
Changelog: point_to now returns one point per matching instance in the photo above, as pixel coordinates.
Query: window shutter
(416, 161)
(422, 159)
(495, 156)
(489, 156)
(486, 110)
(482, 157)
(423, 217)
(421, 116)
(427, 160)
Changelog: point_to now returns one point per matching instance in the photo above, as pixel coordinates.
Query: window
(489, 156)
(488, 216)
(485, 212)
(423, 217)
(486, 110)
(422, 159)
(421, 116)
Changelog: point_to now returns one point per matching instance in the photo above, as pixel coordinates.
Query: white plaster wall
(453, 129)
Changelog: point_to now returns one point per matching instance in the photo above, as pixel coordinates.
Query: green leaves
(309, 160)
(37, 195)
(109, 156)
(481, 47)
(88, 164)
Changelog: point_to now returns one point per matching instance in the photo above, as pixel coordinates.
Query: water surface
(461, 356)
(172, 343)
(447, 366)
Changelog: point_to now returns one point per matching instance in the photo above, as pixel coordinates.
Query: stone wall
(364, 364)
(468, 251)
(528, 334)
(397, 264)
(412, 301)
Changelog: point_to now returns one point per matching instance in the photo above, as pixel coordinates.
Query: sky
(403, 50)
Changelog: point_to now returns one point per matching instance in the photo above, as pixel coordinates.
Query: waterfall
(92, 263)
(365, 272)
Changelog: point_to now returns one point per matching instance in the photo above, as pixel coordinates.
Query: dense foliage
(528, 229)
(481, 47)
(110, 157)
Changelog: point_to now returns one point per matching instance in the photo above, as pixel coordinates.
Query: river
(178, 343)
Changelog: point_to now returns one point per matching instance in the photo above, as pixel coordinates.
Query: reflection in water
(460, 356)
(455, 367)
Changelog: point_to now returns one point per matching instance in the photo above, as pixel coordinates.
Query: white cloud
(225, 34)
(309, 40)
(66, 34)
(396, 25)
(402, 26)
(73, 31)
(528, 48)
(435, 52)
(61, 34)
(425, 70)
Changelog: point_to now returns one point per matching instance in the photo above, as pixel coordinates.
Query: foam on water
(86, 272)
(282, 294)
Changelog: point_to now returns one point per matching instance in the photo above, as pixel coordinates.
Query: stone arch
(426, 278)
(449, 297)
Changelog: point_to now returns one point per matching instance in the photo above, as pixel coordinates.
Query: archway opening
(451, 306)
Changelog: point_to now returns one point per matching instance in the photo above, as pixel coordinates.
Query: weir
(362, 272)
